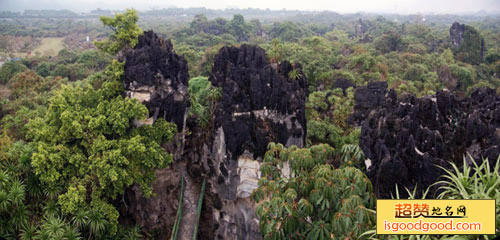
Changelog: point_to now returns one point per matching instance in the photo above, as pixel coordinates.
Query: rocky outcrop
(158, 78)
(457, 34)
(259, 104)
(367, 98)
(158, 211)
(254, 91)
(343, 84)
(404, 139)
(361, 28)
(467, 43)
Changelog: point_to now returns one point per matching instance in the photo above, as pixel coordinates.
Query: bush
(203, 97)
(86, 146)
(301, 196)
(9, 69)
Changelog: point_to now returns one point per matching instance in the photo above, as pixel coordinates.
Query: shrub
(9, 69)
(301, 196)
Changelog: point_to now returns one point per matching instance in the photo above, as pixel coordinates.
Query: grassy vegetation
(50, 46)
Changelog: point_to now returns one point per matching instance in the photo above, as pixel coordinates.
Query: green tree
(415, 72)
(199, 23)
(10, 69)
(66, 56)
(286, 31)
(93, 59)
(327, 113)
(13, 213)
(86, 145)
(125, 31)
(388, 42)
(238, 28)
(338, 36)
(62, 70)
(203, 99)
(43, 69)
(447, 56)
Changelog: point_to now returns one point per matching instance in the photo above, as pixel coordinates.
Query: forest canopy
(274, 107)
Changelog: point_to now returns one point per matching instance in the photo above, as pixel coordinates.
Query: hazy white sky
(342, 6)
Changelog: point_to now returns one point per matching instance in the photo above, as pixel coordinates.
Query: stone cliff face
(259, 104)
(158, 78)
(457, 34)
(404, 139)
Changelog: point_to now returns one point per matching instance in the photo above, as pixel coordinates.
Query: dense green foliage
(83, 146)
(479, 181)
(301, 196)
(327, 113)
(68, 151)
(69, 146)
(125, 32)
(9, 69)
(203, 98)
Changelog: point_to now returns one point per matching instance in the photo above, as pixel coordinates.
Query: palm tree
(294, 74)
(52, 191)
(55, 227)
(28, 232)
(81, 218)
(132, 233)
(50, 209)
(17, 193)
(5, 201)
(97, 222)
(72, 233)
(20, 217)
(34, 186)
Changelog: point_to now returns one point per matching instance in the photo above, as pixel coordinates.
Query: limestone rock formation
(158, 78)
(467, 43)
(404, 139)
(259, 104)
(367, 98)
(361, 28)
(343, 84)
(158, 211)
(457, 34)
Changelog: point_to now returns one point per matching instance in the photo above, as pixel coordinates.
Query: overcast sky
(341, 6)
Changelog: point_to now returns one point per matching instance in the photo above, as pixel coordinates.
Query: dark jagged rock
(457, 34)
(254, 91)
(361, 28)
(366, 99)
(405, 139)
(467, 43)
(343, 84)
(158, 211)
(260, 104)
(157, 77)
